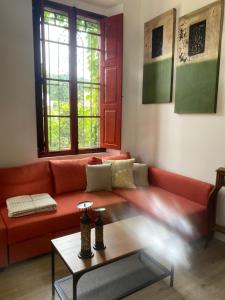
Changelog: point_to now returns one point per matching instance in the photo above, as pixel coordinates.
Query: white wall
(193, 145)
(86, 6)
(17, 96)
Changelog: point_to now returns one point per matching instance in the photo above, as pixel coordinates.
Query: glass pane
(57, 61)
(84, 64)
(88, 65)
(95, 66)
(58, 98)
(56, 19)
(49, 17)
(88, 40)
(95, 42)
(80, 96)
(88, 132)
(80, 24)
(59, 133)
(95, 132)
(88, 100)
(62, 20)
(83, 39)
(56, 34)
(93, 26)
(88, 25)
(81, 134)
(80, 64)
(95, 101)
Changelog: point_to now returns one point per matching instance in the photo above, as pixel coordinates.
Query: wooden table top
(118, 239)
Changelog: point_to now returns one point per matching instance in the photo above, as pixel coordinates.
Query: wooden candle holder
(85, 228)
(99, 243)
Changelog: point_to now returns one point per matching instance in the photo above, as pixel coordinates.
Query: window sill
(71, 153)
(92, 150)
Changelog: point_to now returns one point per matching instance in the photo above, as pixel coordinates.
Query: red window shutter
(111, 82)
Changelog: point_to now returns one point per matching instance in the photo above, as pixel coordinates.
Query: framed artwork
(159, 35)
(198, 57)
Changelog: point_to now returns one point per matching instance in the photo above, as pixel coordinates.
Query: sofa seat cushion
(67, 216)
(179, 213)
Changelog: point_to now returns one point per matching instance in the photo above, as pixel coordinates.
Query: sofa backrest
(69, 175)
(192, 189)
(25, 180)
(47, 176)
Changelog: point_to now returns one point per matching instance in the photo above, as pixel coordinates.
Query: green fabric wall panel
(157, 87)
(196, 87)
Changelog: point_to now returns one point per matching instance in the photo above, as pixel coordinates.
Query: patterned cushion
(122, 173)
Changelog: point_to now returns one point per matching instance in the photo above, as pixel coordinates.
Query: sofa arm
(190, 188)
(3, 245)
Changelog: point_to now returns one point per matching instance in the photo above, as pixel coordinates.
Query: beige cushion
(140, 174)
(122, 173)
(99, 178)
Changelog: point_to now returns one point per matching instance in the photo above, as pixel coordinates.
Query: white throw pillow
(99, 178)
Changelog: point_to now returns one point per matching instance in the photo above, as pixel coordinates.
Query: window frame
(42, 128)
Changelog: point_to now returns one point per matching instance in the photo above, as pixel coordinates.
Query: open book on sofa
(30, 204)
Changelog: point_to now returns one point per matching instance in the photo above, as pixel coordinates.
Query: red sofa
(169, 197)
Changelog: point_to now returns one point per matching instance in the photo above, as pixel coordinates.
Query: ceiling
(104, 3)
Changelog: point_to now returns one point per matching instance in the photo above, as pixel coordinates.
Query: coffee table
(118, 271)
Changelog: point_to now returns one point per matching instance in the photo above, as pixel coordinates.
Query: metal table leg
(75, 282)
(53, 269)
(172, 276)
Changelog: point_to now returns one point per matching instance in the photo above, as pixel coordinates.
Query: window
(78, 105)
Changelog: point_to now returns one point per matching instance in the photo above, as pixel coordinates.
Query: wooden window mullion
(44, 84)
(38, 81)
(73, 81)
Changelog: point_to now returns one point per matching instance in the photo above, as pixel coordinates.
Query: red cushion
(68, 175)
(67, 216)
(193, 189)
(118, 157)
(185, 216)
(90, 160)
(98, 160)
(29, 179)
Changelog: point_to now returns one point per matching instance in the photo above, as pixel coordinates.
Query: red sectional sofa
(170, 198)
